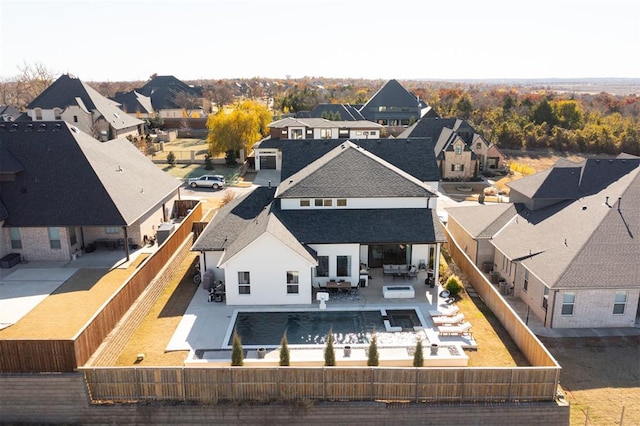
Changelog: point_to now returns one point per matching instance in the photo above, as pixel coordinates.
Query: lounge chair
(455, 330)
(453, 310)
(457, 319)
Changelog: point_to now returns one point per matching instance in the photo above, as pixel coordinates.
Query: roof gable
(352, 172)
(392, 94)
(71, 179)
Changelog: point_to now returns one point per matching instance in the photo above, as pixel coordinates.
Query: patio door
(389, 254)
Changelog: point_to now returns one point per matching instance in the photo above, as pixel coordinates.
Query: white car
(207, 181)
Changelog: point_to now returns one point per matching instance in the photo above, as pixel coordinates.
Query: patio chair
(455, 330)
(444, 320)
(413, 272)
(453, 310)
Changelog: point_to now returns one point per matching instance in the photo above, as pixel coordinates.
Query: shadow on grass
(182, 295)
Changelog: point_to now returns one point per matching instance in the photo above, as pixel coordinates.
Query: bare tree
(220, 94)
(33, 80)
(188, 102)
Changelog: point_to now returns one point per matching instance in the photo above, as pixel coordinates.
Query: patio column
(436, 264)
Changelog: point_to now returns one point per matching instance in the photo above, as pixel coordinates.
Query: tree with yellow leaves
(238, 129)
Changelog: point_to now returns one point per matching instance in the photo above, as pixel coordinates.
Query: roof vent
(57, 127)
(597, 161)
(2, 127)
(119, 169)
(13, 128)
(606, 201)
(28, 127)
(74, 129)
(42, 127)
(584, 208)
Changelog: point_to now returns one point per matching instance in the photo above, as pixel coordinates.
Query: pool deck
(206, 325)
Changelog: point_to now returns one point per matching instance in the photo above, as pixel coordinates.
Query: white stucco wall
(332, 251)
(209, 261)
(268, 260)
(363, 203)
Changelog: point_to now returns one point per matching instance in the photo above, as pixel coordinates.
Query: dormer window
(57, 113)
(38, 113)
(458, 149)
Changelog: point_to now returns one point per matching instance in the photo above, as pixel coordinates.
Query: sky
(129, 40)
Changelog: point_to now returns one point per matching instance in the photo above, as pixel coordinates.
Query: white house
(344, 209)
(320, 128)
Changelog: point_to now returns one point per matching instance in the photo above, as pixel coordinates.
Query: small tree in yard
(284, 351)
(208, 162)
(329, 353)
(171, 158)
(230, 157)
(237, 353)
(373, 361)
(453, 285)
(418, 358)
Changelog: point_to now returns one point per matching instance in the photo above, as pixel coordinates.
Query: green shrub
(237, 353)
(418, 357)
(443, 269)
(453, 285)
(373, 361)
(171, 158)
(284, 351)
(329, 352)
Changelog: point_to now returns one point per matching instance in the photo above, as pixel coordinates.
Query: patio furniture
(339, 285)
(453, 310)
(10, 260)
(394, 269)
(448, 320)
(455, 330)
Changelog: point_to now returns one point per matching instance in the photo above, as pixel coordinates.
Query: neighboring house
(135, 104)
(568, 245)
(172, 98)
(61, 190)
(415, 156)
(8, 113)
(338, 112)
(320, 128)
(80, 105)
(346, 208)
(395, 106)
(461, 152)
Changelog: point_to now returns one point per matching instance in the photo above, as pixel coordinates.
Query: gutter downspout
(553, 307)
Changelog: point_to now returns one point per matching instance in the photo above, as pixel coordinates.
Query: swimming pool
(266, 328)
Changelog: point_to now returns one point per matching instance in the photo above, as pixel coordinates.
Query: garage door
(268, 162)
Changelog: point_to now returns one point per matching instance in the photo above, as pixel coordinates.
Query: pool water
(312, 327)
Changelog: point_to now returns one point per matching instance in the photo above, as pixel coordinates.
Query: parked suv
(207, 181)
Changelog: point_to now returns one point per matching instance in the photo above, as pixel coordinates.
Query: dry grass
(63, 314)
(153, 335)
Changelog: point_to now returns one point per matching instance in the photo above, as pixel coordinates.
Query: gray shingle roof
(345, 111)
(67, 91)
(392, 94)
(583, 243)
(483, 221)
(71, 179)
(364, 226)
(164, 89)
(350, 171)
(415, 156)
(232, 219)
(132, 102)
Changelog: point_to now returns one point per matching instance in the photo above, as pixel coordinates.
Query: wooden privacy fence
(212, 385)
(33, 356)
(526, 341)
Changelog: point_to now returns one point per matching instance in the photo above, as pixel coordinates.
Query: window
(382, 108)
(506, 264)
(328, 202)
(38, 113)
(317, 202)
(341, 202)
(16, 241)
(322, 270)
(73, 238)
(568, 300)
(526, 279)
(244, 282)
(343, 266)
(75, 118)
(57, 113)
(325, 133)
(619, 303)
(111, 230)
(457, 167)
(292, 282)
(296, 133)
(479, 145)
(343, 133)
(458, 149)
(54, 238)
(305, 203)
(358, 133)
